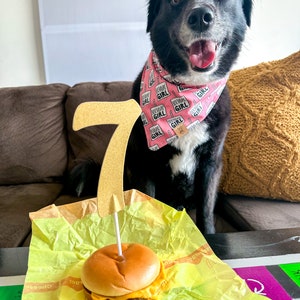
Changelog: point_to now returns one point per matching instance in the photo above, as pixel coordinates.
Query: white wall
(89, 40)
(275, 33)
(21, 61)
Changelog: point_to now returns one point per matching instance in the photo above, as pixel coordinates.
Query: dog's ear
(153, 9)
(247, 8)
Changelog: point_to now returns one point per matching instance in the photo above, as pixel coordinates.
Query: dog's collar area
(171, 109)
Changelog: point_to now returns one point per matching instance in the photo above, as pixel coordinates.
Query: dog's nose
(201, 18)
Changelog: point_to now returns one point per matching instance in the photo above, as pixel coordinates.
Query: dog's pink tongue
(202, 54)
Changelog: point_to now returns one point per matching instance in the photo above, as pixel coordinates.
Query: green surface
(293, 271)
(13, 292)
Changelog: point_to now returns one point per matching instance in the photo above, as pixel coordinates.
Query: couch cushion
(262, 149)
(15, 204)
(247, 213)
(32, 134)
(91, 143)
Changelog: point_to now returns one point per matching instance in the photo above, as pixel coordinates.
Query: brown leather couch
(38, 147)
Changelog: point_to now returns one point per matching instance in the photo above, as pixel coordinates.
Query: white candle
(118, 236)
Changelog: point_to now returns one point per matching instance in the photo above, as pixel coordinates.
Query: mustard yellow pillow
(262, 149)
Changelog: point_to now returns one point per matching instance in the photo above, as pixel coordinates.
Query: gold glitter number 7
(124, 114)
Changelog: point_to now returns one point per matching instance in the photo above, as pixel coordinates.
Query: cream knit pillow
(262, 150)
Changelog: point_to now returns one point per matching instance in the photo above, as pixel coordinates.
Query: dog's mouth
(202, 55)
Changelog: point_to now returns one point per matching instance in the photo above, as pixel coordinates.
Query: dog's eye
(175, 2)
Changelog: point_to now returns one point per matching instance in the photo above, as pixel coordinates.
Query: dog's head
(197, 41)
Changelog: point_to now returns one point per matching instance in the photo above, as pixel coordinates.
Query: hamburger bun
(107, 274)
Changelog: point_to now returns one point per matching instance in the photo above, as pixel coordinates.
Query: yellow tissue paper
(64, 236)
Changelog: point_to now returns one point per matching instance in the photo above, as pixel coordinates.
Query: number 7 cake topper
(110, 194)
(124, 114)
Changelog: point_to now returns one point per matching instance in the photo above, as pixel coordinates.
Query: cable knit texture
(262, 150)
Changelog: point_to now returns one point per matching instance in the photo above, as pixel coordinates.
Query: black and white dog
(175, 149)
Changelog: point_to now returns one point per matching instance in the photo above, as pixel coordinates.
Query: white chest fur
(185, 161)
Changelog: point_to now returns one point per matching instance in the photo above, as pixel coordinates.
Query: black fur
(172, 25)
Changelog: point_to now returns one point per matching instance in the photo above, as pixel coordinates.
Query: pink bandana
(169, 109)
